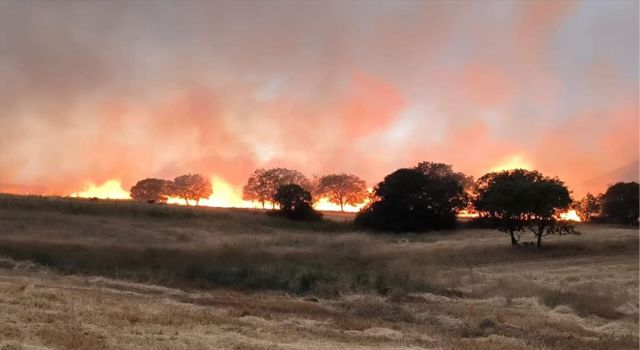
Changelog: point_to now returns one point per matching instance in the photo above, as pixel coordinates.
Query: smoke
(93, 91)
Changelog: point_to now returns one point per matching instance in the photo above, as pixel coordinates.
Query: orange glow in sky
(513, 162)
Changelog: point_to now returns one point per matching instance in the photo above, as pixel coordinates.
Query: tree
(547, 198)
(313, 187)
(256, 189)
(151, 190)
(441, 170)
(587, 207)
(263, 184)
(620, 203)
(409, 200)
(192, 187)
(515, 200)
(342, 189)
(295, 202)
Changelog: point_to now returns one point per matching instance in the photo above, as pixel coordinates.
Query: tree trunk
(540, 233)
(514, 241)
(262, 204)
(341, 207)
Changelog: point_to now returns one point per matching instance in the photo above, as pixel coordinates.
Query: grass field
(111, 275)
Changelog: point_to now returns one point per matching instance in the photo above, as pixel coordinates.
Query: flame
(111, 189)
(570, 215)
(467, 214)
(514, 162)
(224, 195)
(324, 205)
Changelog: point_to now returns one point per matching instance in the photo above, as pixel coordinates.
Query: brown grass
(86, 274)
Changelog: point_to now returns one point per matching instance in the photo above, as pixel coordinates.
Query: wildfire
(324, 205)
(515, 162)
(570, 215)
(224, 195)
(111, 189)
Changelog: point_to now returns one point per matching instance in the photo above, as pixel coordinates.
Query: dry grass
(104, 275)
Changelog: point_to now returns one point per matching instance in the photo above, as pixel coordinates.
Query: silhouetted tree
(192, 187)
(620, 203)
(441, 170)
(515, 200)
(444, 172)
(295, 203)
(256, 189)
(151, 190)
(409, 200)
(342, 189)
(587, 207)
(263, 184)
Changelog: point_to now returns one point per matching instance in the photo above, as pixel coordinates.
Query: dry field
(80, 274)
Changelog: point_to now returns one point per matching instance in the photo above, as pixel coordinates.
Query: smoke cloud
(94, 91)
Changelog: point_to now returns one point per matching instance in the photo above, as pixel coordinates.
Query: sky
(99, 91)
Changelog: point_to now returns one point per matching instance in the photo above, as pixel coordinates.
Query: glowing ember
(111, 189)
(570, 215)
(515, 162)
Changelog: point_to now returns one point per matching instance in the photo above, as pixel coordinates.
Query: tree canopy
(410, 200)
(342, 189)
(620, 203)
(151, 190)
(516, 200)
(192, 187)
(263, 184)
(587, 207)
(295, 202)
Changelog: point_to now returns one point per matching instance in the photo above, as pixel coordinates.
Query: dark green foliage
(295, 203)
(414, 200)
(515, 200)
(620, 203)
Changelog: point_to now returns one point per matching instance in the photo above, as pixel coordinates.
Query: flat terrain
(81, 274)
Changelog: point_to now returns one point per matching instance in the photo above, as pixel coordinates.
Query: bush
(295, 203)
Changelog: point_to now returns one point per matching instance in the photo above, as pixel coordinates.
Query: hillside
(108, 274)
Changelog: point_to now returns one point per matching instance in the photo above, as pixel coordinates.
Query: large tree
(409, 200)
(620, 203)
(518, 200)
(295, 202)
(192, 187)
(587, 207)
(342, 189)
(151, 190)
(263, 184)
(256, 189)
(442, 170)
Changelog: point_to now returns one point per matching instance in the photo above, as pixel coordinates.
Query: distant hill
(626, 173)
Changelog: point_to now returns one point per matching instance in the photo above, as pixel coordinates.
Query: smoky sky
(99, 90)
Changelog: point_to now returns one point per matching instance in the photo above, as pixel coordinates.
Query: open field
(105, 275)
